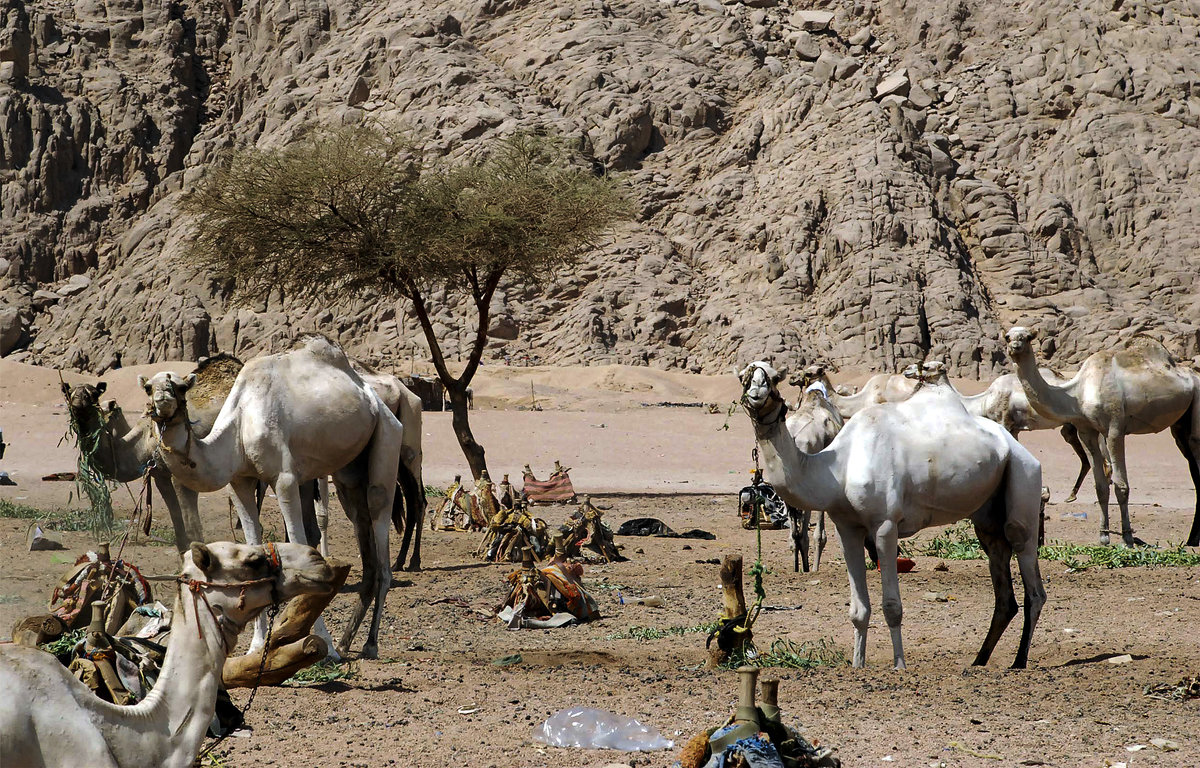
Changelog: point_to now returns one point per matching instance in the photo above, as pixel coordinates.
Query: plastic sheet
(590, 728)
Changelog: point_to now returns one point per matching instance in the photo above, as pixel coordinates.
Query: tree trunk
(462, 430)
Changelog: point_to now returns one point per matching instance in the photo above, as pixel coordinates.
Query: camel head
(759, 385)
(809, 375)
(168, 394)
(240, 580)
(83, 399)
(911, 371)
(933, 372)
(1020, 341)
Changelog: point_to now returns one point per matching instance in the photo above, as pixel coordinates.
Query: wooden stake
(727, 640)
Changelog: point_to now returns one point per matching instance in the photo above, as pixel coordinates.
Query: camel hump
(1142, 351)
(323, 348)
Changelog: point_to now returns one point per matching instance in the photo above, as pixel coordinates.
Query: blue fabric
(757, 751)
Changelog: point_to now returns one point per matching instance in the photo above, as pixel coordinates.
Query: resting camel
(1136, 390)
(897, 468)
(1005, 403)
(812, 425)
(123, 451)
(290, 419)
(880, 388)
(52, 720)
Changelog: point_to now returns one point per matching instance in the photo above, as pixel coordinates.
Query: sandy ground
(435, 699)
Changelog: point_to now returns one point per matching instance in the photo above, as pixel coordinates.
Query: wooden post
(728, 640)
(292, 648)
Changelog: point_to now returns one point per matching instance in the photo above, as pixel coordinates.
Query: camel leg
(185, 517)
(888, 545)
(288, 492)
(323, 514)
(1023, 508)
(999, 552)
(408, 517)
(860, 601)
(1071, 435)
(245, 490)
(1091, 441)
(1186, 432)
(798, 520)
(821, 539)
(1120, 480)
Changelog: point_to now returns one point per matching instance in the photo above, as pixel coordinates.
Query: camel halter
(765, 426)
(161, 424)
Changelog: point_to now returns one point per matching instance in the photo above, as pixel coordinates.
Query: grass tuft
(323, 672)
(657, 633)
(791, 655)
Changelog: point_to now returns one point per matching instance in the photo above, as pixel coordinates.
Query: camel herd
(905, 453)
(909, 452)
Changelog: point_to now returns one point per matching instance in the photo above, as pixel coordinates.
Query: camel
(812, 426)
(897, 468)
(290, 419)
(1136, 390)
(123, 451)
(1005, 402)
(880, 388)
(52, 720)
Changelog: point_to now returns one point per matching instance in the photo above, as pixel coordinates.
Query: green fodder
(956, 543)
(89, 480)
(56, 519)
(433, 492)
(323, 672)
(65, 642)
(1080, 557)
(657, 633)
(788, 654)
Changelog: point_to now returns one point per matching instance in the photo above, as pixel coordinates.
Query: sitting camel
(812, 426)
(53, 720)
(897, 468)
(880, 388)
(1136, 390)
(1005, 403)
(123, 451)
(290, 419)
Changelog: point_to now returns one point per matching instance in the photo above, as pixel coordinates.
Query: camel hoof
(1104, 539)
(370, 651)
(333, 657)
(1069, 499)
(414, 566)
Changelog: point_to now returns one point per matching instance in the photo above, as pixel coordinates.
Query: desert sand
(435, 699)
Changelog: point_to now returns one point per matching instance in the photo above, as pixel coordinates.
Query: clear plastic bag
(590, 728)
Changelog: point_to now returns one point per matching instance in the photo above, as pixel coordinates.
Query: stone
(359, 92)
(812, 21)
(11, 328)
(806, 46)
(43, 298)
(894, 84)
(71, 289)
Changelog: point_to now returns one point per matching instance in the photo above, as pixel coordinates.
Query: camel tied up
(895, 469)
(292, 418)
(52, 720)
(1138, 389)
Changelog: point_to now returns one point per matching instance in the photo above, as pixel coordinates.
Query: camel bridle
(764, 425)
(161, 423)
(199, 591)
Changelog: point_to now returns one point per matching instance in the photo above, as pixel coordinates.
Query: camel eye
(256, 561)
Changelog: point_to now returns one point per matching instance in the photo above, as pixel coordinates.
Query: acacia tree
(356, 211)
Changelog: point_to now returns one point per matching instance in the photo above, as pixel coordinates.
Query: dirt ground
(434, 698)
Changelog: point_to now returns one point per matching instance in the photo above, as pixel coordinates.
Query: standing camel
(880, 388)
(124, 451)
(1136, 390)
(52, 720)
(290, 419)
(898, 468)
(812, 426)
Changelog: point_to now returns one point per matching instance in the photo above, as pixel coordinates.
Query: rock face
(861, 184)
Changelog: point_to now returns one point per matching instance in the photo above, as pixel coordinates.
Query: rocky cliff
(862, 183)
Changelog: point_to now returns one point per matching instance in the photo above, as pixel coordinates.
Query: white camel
(898, 468)
(1138, 389)
(880, 388)
(290, 419)
(813, 425)
(52, 720)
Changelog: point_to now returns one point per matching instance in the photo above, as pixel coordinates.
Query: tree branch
(435, 350)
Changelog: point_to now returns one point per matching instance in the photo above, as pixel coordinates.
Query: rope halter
(199, 591)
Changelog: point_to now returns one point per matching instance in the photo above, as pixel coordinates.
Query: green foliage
(89, 480)
(323, 672)
(657, 633)
(65, 642)
(960, 543)
(58, 519)
(791, 655)
(356, 209)
(434, 492)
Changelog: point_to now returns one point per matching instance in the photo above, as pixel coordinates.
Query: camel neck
(115, 452)
(202, 464)
(169, 726)
(1046, 398)
(802, 479)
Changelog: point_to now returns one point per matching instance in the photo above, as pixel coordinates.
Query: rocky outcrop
(863, 184)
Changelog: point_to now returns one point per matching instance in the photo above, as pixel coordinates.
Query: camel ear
(144, 384)
(202, 557)
(1033, 333)
(110, 405)
(780, 374)
(188, 383)
(100, 387)
(66, 389)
